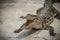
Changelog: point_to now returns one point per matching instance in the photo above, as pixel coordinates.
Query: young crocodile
(45, 16)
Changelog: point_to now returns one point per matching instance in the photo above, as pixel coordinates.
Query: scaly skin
(45, 16)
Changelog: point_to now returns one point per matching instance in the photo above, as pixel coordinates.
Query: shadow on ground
(26, 33)
(58, 36)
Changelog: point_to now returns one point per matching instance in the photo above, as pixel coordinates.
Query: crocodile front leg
(51, 30)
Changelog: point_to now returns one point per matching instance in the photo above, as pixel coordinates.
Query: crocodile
(42, 20)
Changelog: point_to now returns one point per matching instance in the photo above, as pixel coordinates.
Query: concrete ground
(10, 11)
